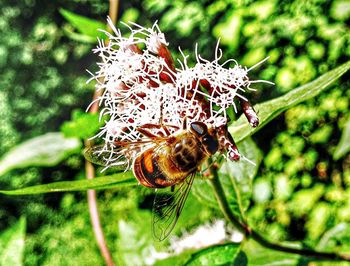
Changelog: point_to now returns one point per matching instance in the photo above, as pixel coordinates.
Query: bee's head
(205, 136)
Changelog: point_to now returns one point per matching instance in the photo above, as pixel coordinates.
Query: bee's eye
(210, 144)
(199, 128)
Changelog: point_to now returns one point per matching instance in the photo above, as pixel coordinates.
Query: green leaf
(337, 239)
(343, 146)
(258, 255)
(12, 244)
(104, 182)
(78, 37)
(44, 150)
(242, 173)
(83, 125)
(215, 255)
(236, 178)
(267, 111)
(84, 25)
(204, 192)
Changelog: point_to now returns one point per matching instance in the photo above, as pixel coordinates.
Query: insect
(171, 160)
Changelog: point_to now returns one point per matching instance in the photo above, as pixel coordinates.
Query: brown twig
(250, 233)
(95, 219)
(90, 170)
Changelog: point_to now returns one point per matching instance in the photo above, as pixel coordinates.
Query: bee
(171, 161)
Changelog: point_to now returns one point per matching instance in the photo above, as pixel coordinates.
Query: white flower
(143, 87)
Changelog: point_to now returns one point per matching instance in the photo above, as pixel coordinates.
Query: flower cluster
(144, 87)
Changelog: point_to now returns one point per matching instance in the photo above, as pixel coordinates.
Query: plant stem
(90, 170)
(249, 232)
(95, 219)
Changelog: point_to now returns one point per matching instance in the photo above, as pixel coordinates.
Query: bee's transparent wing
(167, 207)
(99, 155)
(96, 155)
(117, 156)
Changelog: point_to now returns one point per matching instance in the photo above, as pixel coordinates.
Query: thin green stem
(250, 233)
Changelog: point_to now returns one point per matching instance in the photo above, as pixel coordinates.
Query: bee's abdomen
(147, 171)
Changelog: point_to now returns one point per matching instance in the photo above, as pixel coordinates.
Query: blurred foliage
(269, 110)
(77, 126)
(12, 244)
(306, 192)
(301, 190)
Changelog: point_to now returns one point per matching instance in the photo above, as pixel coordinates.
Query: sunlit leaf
(44, 150)
(242, 173)
(258, 255)
(105, 182)
(215, 255)
(12, 244)
(236, 179)
(84, 25)
(343, 146)
(267, 111)
(204, 192)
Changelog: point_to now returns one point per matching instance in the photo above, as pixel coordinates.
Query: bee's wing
(167, 207)
(98, 155)
(95, 154)
(118, 156)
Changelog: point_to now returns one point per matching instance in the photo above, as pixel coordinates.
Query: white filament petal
(134, 94)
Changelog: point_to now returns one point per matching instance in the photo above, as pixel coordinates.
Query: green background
(300, 190)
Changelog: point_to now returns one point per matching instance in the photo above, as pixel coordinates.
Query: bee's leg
(172, 189)
(166, 130)
(227, 143)
(150, 126)
(147, 133)
(161, 122)
(163, 126)
(184, 123)
(166, 126)
(172, 126)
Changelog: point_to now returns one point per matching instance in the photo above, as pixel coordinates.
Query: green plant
(237, 178)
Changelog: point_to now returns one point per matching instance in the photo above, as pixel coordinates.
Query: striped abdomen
(156, 171)
(168, 163)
